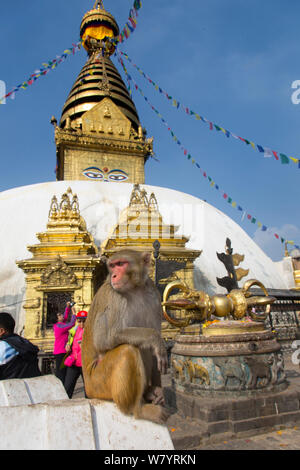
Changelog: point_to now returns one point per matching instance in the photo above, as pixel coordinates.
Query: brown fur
(122, 350)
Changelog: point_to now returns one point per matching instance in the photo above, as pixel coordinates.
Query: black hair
(7, 322)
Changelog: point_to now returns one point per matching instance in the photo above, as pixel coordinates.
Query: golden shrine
(62, 268)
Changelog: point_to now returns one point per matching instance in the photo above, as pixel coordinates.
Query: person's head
(7, 324)
(81, 317)
(60, 317)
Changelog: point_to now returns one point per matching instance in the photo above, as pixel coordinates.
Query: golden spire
(99, 77)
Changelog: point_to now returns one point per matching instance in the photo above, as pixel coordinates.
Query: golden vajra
(199, 306)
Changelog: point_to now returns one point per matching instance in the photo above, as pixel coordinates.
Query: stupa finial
(98, 5)
(98, 25)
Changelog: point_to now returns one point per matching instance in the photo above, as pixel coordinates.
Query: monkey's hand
(155, 396)
(144, 338)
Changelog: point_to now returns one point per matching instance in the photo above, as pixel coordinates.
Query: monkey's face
(119, 270)
(128, 270)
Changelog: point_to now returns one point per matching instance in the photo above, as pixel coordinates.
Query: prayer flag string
(131, 23)
(47, 66)
(284, 159)
(212, 183)
(130, 27)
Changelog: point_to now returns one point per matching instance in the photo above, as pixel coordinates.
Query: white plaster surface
(14, 393)
(43, 389)
(24, 212)
(69, 425)
(25, 427)
(65, 424)
(113, 428)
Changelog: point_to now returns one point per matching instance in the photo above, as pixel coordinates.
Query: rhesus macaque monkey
(123, 354)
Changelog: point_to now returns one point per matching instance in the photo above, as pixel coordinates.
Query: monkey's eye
(117, 263)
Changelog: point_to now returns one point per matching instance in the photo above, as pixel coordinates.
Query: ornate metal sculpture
(199, 306)
(231, 260)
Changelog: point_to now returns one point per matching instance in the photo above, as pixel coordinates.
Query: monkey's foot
(155, 395)
(155, 413)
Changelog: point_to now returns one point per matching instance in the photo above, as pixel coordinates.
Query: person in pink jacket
(73, 361)
(61, 332)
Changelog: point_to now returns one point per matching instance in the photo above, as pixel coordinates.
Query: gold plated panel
(107, 119)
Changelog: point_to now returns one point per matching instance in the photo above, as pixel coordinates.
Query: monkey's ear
(146, 257)
(103, 259)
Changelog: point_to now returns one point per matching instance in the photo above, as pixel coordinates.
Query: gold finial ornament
(98, 25)
(99, 4)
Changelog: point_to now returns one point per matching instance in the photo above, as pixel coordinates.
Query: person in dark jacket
(18, 356)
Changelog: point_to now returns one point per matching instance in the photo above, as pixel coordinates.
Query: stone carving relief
(259, 369)
(196, 372)
(189, 371)
(242, 373)
(178, 369)
(231, 368)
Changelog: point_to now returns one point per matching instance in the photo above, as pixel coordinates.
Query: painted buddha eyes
(93, 173)
(105, 175)
(117, 175)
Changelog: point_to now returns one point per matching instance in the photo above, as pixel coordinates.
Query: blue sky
(232, 62)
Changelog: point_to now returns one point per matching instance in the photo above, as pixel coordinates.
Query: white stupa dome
(24, 212)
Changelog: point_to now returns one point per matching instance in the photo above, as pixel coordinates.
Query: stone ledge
(31, 423)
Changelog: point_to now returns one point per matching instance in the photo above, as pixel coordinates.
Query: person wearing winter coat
(61, 332)
(18, 356)
(73, 361)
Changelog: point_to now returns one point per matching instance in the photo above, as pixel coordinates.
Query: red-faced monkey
(123, 354)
